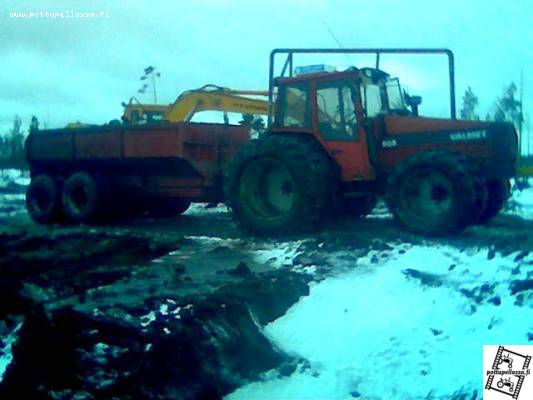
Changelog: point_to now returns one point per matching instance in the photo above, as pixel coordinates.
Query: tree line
(506, 108)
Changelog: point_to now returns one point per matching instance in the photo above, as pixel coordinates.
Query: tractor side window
(336, 111)
(294, 106)
(371, 99)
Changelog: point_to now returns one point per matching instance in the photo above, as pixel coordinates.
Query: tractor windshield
(382, 96)
(394, 95)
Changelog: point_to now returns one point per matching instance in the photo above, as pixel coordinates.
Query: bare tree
(507, 108)
(254, 122)
(470, 103)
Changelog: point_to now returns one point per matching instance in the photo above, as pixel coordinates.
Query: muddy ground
(170, 309)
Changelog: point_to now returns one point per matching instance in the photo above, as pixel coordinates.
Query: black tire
(279, 185)
(433, 193)
(42, 199)
(85, 198)
(163, 208)
(357, 207)
(497, 193)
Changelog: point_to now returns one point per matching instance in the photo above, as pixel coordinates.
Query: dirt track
(183, 296)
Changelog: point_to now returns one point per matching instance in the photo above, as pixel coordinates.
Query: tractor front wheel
(433, 194)
(498, 191)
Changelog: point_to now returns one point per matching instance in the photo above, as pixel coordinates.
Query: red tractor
(339, 140)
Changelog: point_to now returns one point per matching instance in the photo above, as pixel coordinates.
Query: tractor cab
(338, 108)
(340, 99)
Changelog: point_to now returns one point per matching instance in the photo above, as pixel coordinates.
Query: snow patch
(278, 255)
(521, 203)
(205, 209)
(6, 352)
(11, 177)
(380, 332)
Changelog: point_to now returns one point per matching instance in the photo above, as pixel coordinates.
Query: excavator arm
(215, 98)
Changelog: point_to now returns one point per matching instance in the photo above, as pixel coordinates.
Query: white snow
(380, 212)
(16, 176)
(521, 203)
(211, 240)
(277, 255)
(6, 354)
(369, 330)
(12, 187)
(203, 209)
(148, 319)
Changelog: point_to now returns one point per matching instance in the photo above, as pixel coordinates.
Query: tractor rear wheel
(498, 191)
(84, 197)
(42, 199)
(278, 184)
(433, 194)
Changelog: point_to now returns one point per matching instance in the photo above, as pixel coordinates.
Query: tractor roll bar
(377, 51)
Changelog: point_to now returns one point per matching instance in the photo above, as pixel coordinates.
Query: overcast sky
(68, 69)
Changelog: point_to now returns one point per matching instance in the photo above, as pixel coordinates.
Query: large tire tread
(97, 209)
(43, 200)
(497, 192)
(311, 169)
(458, 170)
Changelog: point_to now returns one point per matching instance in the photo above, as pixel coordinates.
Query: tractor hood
(496, 142)
(395, 124)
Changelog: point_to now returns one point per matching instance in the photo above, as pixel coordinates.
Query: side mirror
(413, 102)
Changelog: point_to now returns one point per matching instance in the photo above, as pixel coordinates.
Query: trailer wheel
(84, 197)
(433, 194)
(162, 208)
(278, 184)
(42, 199)
(497, 193)
(358, 206)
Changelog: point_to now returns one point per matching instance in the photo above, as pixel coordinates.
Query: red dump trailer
(89, 174)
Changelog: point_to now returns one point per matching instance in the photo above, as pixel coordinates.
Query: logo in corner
(506, 372)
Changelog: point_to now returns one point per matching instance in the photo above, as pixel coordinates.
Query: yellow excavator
(206, 98)
(136, 112)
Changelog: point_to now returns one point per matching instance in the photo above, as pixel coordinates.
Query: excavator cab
(137, 113)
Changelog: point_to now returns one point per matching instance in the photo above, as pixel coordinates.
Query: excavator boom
(206, 98)
(215, 98)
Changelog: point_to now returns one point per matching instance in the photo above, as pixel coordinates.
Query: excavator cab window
(154, 116)
(336, 110)
(135, 116)
(294, 108)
